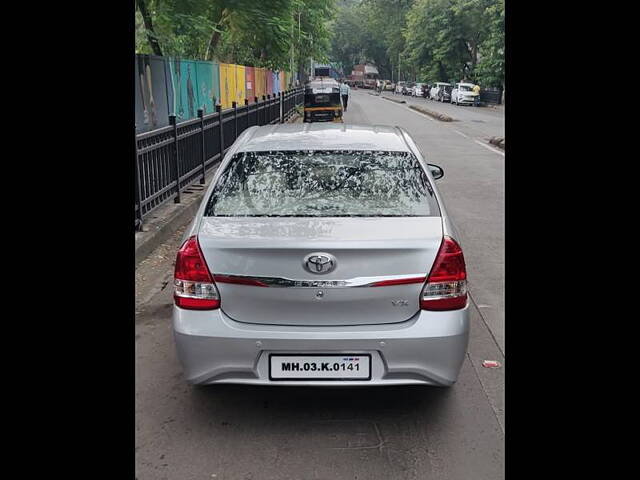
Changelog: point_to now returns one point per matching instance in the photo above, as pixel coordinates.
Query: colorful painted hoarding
(269, 75)
(249, 81)
(283, 81)
(207, 80)
(240, 90)
(167, 86)
(261, 82)
(151, 93)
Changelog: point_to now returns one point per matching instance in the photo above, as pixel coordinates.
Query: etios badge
(319, 262)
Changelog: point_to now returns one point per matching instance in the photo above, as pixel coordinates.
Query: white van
(463, 94)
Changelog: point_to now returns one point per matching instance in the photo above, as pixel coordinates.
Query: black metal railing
(491, 95)
(171, 158)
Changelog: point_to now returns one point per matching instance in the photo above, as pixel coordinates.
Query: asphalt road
(252, 433)
(477, 122)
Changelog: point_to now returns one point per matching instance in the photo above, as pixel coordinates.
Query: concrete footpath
(163, 222)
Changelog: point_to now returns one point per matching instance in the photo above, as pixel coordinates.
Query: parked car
(408, 88)
(463, 94)
(270, 286)
(440, 93)
(399, 87)
(390, 86)
(445, 93)
(417, 90)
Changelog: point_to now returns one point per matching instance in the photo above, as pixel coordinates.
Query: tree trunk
(148, 25)
(215, 37)
(213, 43)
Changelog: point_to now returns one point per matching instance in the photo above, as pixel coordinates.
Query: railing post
(255, 100)
(281, 107)
(284, 106)
(176, 170)
(246, 115)
(138, 182)
(201, 117)
(271, 103)
(274, 102)
(235, 120)
(288, 102)
(264, 108)
(219, 110)
(275, 106)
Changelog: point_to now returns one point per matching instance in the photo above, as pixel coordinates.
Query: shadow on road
(248, 402)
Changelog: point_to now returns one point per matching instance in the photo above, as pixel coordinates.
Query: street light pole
(311, 59)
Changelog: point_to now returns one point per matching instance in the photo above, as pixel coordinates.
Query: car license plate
(320, 367)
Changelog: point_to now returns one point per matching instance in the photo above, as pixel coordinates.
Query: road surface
(251, 433)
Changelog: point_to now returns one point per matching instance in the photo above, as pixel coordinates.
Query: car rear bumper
(428, 349)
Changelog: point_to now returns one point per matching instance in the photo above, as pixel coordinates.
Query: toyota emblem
(319, 263)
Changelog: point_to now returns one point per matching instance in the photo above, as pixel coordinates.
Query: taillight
(446, 287)
(194, 286)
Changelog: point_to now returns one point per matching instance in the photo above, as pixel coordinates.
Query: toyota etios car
(322, 254)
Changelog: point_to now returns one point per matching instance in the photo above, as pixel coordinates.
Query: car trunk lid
(381, 266)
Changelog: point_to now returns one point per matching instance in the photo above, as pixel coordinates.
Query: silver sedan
(322, 254)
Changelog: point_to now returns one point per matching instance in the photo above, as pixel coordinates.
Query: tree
(235, 31)
(490, 68)
(148, 26)
(448, 40)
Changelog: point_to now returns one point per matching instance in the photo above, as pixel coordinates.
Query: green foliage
(248, 32)
(369, 31)
(490, 68)
(437, 40)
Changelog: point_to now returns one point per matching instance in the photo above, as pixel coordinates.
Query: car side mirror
(436, 171)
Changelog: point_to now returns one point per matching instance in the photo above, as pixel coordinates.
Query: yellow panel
(227, 84)
(224, 85)
(231, 75)
(241, 91)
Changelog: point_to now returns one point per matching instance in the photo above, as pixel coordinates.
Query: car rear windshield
(323, 184)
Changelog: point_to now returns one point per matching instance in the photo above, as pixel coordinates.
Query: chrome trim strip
(357, 282)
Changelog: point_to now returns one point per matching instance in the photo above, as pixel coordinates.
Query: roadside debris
(393, 99)
(497, 141)
(491, 364)
(438, 116)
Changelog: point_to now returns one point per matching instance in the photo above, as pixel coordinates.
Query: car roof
(467, 84)
(323, 136)
(322, 82)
